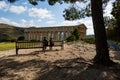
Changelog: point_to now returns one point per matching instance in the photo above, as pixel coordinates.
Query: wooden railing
(30, 45)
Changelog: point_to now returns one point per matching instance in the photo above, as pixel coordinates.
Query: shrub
(71, 38)
(75, 35)
(21, 38)
(13, 40)
(33, 40)
(90, 40)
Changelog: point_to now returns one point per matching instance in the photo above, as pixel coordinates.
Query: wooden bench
(31, 45)
(58, 43)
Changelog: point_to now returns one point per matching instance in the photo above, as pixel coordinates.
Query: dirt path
(72, 63)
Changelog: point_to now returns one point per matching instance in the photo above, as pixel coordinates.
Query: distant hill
(9, 32)
(90, 36)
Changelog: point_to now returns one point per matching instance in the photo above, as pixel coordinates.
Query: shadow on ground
(69, 69)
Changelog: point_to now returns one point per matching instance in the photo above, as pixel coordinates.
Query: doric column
(67, 34)
(41, 36)
(56, 35)
(34, 36)
(37, 37)
(30, 36)
(25, 35)
(60, 35)
(53, 35)
(49, 35)
(64, 35)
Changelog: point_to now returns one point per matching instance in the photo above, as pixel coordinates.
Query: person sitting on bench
(45, 43)
(51, 43)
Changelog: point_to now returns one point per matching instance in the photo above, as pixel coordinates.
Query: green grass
(7, 46)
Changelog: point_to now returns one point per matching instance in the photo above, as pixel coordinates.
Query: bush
(90, 40)
(33, 40)
(71, 38)
(13, 40)
(75, 35)
(21, 38)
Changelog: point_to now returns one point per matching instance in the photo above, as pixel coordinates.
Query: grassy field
(7, 46)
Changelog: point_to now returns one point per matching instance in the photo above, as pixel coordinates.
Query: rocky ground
(72, 63)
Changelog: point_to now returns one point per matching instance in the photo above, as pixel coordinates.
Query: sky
(23, 14)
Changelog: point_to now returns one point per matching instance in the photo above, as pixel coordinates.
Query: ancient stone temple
(57, 33)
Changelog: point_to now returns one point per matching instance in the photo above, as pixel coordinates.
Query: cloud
(31, 23)
(4, 20)
(27, 23)
(17, 9)
(23, 21)
(41, 13)
(39, 20)
(25, 3)
(3, 5)
(66, 22)
(7, 21)
(108, 9)
(50, 22)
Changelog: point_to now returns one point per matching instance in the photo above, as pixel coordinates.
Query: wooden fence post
(16, 48)
(62, 46)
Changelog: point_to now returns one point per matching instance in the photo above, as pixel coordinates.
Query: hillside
(9, 32)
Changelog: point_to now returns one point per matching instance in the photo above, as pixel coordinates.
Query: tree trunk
(102, 52)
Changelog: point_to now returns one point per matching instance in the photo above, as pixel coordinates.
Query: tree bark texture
(102, 52)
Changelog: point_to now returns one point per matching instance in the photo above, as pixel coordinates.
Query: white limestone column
(60, 35)
(65, 35)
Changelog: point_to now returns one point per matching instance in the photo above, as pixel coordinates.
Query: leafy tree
(116, 11)
(71, 38)
(76, 33)
(110, 22)
(102, 53)
(116, 14)
(113, 24)
(111, 29)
